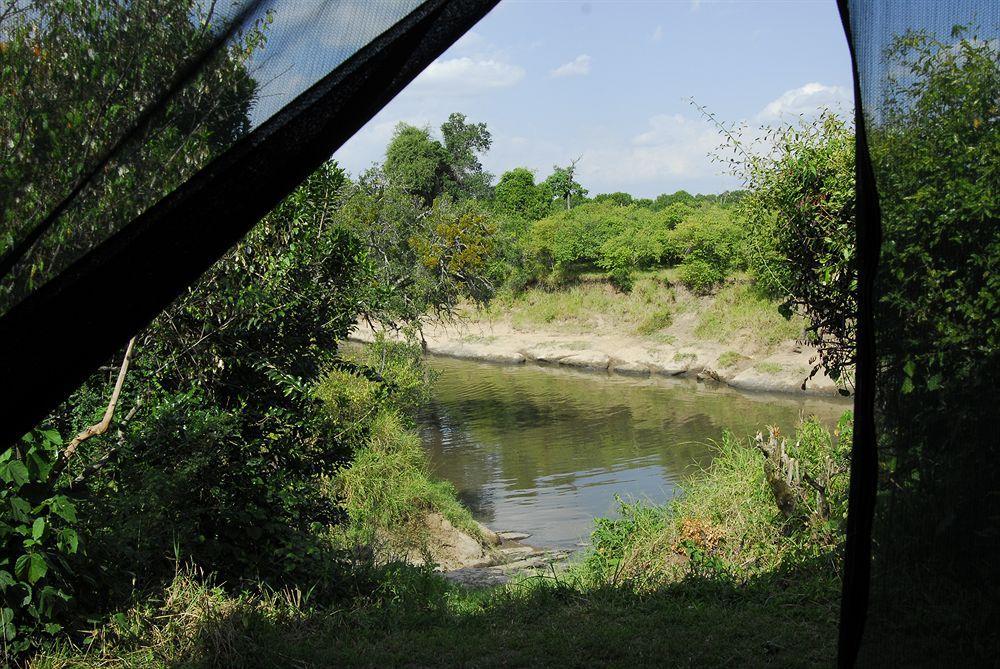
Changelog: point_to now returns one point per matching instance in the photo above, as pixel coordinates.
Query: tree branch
(98, 428)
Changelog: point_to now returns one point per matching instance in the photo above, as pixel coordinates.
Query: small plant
(730, 359)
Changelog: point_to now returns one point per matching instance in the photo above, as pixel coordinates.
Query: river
(545, 450)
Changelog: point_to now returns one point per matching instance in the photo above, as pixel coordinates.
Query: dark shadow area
(785, 619)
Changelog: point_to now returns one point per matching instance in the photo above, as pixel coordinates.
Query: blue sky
(610, 81)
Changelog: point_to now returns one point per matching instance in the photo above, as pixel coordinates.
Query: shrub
(38, 535)
(800, 212)
(700, 276)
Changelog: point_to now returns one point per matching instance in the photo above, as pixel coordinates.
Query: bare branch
(98, 428)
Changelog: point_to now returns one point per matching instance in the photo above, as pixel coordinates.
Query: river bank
(783, 369)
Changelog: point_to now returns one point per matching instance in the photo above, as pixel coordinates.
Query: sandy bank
(781, 370)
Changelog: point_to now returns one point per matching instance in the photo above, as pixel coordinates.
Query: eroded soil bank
(783, 368)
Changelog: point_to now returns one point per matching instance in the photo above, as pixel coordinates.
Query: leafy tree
(416, 161)
(563, 185)
(426, 167)
(517, 195)
(619, 198)
(74, 75)
(679, 197)
(425, 259)
(799, 207)
(463, 142)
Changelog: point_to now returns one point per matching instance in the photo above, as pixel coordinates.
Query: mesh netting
(143, 138)
(109, 106)
(929, 77)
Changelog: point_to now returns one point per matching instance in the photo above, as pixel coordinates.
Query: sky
(612, 82)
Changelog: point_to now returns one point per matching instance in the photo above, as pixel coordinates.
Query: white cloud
(465, 76)
(578, 67)
(806, 100)
(673, 147)
(695, 5)
(658, 34)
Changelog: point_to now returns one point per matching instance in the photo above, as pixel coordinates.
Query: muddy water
(544, 450)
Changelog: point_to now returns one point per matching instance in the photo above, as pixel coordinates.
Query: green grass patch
(684, 357)
(739, 311)
(593, 304)
(768, 367)
(730, 359)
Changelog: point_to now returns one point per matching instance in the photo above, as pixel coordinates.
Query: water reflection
(545, 450)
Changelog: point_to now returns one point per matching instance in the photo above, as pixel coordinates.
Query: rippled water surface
(544, 450)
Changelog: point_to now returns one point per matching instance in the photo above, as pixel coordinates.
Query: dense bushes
(620, 239)
(728, 525)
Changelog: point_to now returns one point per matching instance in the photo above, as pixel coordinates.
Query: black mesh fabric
(928, 78)
(104, 98)
(101, 229)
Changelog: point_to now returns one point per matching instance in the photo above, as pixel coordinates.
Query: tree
(563, 185)
(74, 76)
(416, 161)
(463, 142)
(424, 166)
(679, 197)
(619, 198)
(518, 195)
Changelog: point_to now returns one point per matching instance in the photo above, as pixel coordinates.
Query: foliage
(707, 243)
(425, 167)
(463, 142)
(425, 258)
(221, 460)
(618, 240)
(619, 198)
(74, 75)
(416, 161)
(935, 148)
(38, 532)
(518, 196)
(385, 490)
(563, 185)
(800, 213)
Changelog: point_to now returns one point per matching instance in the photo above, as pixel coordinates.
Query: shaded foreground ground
(782, 620)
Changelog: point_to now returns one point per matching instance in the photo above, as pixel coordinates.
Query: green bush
(800, 212)
(700, 275)
(38, 534)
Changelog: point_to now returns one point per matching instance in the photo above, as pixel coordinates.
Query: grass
(738, 311)
(712, 579)
(592, 303)
(386, 491)
(730, 359)
(768, 367)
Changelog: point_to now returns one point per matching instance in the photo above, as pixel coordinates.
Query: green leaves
(31, 567)
(36, 535)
